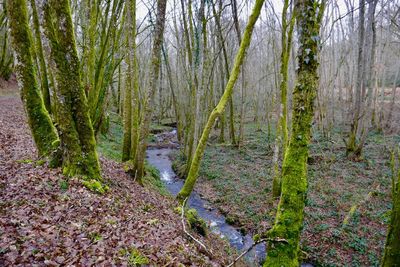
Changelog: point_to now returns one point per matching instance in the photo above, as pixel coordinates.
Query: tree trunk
(351, 144)
(40, 56)
(391, 256)
(283, 246)
(135, 82)
(127, 138)
(76, 133)
(282, 132)
(152, 87)
(42, 128)
(219, 109)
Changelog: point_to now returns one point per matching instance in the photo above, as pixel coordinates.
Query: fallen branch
(186, 232)
(255, 244)
(246, 251)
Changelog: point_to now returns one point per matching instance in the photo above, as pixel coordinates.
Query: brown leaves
(44, 225)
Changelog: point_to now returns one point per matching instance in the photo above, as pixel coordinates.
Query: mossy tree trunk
(131, 100)
(127, 116)
(219, 109)
(283, 247)
(79, 156)
(43, 130)
(100, 69)
(152, 87)
(391, 256)
(6, 58)
(44, 80)
(282, 135)
(243, 84)
(226, 69)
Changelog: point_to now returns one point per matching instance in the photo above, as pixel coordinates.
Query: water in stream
(159, 158)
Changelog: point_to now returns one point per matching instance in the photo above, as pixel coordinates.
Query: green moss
(134, 257)
(391, 255)
(25, 161)
(232, 220)
(95, 237)
(152, 180)
(195, 222)
(95, 186)
(72, 111)
(42, 128)
(64, 185)
(283, 249)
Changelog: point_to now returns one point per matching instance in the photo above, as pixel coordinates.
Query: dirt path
(48, 220)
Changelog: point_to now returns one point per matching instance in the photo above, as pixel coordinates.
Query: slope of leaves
(47, 219)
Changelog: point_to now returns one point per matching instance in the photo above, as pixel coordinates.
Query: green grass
(109, 145)
(239, 181)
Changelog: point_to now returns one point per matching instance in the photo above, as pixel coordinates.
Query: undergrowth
(238, 182)
(109, 145)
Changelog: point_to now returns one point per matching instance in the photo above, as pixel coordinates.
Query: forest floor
(48, 219)
(238, 182)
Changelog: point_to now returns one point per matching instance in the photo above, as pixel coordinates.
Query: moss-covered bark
(285, 235)
(219, 109)
(76, 133)
(44, 80)
(282, 131)
(126, 143)
(105, 63)
(391, 257)
(131, 101)
(6, 58)
(43, 130)
(226, 68)
(135, 84)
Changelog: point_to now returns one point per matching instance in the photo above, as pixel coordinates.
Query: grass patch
(109, 145)
(152, 180)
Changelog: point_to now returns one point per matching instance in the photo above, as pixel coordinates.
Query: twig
(246, 251)
(186, 232)
(255, 244)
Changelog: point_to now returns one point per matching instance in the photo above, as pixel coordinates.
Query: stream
(159, 158)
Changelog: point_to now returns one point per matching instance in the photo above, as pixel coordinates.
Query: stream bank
(159, 158)
(158, 155)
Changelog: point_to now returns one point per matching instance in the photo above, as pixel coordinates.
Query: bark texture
(283, 246)
(79, 156)
(43, 130)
